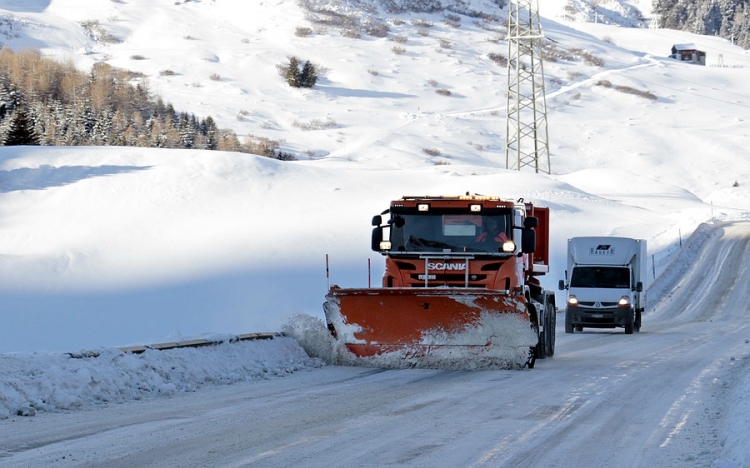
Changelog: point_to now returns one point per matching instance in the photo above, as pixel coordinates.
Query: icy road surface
(655, 398)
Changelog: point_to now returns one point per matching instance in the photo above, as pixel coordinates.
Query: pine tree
(309, 76)
(292, 75)
(21, 132)
(186, 128)
(211, 132)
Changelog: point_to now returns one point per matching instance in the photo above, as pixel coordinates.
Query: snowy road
(656, 398)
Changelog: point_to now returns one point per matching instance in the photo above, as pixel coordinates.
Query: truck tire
(550, 328)
(540, 350)
(532, 358)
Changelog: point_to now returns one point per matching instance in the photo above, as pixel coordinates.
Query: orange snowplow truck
(460, 287)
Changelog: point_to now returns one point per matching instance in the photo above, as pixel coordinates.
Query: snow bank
(736, 440)
(54, 382)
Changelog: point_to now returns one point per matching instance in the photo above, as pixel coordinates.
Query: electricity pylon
(527, 137)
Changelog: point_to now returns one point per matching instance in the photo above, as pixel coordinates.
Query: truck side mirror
(377, 237)
(528, 240)
(531, 222)
(561, 285)
(639, 287)
(377, 220)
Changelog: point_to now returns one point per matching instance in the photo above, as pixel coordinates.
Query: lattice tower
(527, 136)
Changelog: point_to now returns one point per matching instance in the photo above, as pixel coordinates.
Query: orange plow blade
(431, 327)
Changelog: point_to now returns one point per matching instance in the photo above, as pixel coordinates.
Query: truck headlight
(572, 300)
(624, 302)
(509, 246)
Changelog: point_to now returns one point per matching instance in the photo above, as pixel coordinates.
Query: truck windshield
(600, 277)
(454, 232)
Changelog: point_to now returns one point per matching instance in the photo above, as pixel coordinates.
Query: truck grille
(457, 280)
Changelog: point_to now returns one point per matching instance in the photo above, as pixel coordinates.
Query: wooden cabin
(688, 53)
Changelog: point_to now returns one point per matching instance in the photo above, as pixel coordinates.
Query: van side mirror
(639, 287)
(561, 285)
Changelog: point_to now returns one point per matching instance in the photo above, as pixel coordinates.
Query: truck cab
(464, 241)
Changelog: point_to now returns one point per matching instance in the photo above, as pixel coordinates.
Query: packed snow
(53, 382)
(104, 247)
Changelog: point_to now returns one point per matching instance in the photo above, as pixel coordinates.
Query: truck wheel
(540, 350)
(551, 324)
(532, 358)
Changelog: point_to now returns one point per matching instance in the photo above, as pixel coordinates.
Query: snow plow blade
(459, 328)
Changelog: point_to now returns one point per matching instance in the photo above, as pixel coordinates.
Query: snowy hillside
(118, 246)
(104, 246)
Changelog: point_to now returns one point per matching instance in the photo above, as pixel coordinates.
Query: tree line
(729, 19)
(46, 102)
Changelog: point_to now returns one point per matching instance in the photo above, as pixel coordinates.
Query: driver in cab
(493, 231)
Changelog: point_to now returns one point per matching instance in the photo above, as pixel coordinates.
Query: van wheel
(629, 325)
(637, 324)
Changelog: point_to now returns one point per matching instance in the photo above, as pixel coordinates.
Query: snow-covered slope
(104, 247)
(118, 246)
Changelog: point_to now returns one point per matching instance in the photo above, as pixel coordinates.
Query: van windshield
(600, 277)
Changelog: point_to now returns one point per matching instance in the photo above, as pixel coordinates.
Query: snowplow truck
(604, 283)
(460, 289)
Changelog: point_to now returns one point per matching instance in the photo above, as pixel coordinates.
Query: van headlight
(572, 300)
(624, 302)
